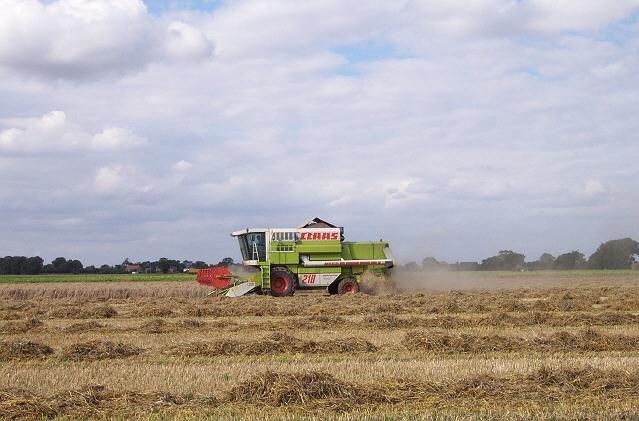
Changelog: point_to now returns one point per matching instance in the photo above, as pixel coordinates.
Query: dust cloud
(422, 280)
(439, 281)
(400, 280)
(242, 272)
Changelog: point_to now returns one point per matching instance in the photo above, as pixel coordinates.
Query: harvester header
(278, 261)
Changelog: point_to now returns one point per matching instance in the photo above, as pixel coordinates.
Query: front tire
(282, 282)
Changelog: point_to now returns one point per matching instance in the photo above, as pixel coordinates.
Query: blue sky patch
(162, 6)
(365, 52)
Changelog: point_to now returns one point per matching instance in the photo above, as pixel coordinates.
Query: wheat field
(512, 346)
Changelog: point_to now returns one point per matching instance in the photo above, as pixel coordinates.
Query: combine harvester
(278, 261)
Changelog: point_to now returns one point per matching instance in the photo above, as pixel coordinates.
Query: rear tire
(282, 282)
(347, 286)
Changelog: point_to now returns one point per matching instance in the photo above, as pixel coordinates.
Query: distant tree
(5, 265)
(74, 266)
(199, 265)
(152, 267)
(33, 266)
(60, 265)
(545, 262)
(167, 265)
(17, 263)
(164, 264)
(20, 265)
(107, 270)
(615, 254)
(570, 261)
(90, 269)
(504, 260)
(145, 267)
(411, 267)
(226, 262)
(430, 263)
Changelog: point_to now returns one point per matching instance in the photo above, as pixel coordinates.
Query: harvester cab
(252, 246)
(279, 261)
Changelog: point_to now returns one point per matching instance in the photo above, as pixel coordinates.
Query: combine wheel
(282, 282)
(347, 286)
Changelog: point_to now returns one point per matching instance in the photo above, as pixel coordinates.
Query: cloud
(576, 15)
(130, 185)
(76, 39)
(185, 42)
(53, 133)
(115, 138)
(472, 127)
(79, 39)
(109, 179)
(260, 28)
(182, 166)
(594, 188)
(504, 17)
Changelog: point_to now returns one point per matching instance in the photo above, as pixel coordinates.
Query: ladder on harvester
(266, 277)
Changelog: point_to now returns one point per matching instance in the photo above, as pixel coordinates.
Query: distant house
(133, 268)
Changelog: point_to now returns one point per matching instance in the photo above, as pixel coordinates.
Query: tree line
(614, 254)
(22, 265)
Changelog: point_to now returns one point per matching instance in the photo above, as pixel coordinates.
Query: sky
(451, 129)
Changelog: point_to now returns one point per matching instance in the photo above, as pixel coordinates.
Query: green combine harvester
(279, 261)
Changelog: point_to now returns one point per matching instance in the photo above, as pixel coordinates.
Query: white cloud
(577, 15)
(10, 138)
(53, 133)
(109, 179)
(185, 42)
(70, 39)
(259, 28)
(54, 120)
(182, 166)
(594, 188)
(127, 182)
(115, 138)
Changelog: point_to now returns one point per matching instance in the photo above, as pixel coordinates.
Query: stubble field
(560, 345)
